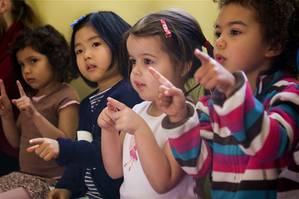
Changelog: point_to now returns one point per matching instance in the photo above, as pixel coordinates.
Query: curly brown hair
(49, 42)
(279, 23)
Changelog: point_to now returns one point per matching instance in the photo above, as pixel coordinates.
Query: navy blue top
(77, 156)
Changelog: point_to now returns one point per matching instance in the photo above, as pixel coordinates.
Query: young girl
(15, 15)
(249, 124)
(95, 47)
(164, 40)
(49, 110)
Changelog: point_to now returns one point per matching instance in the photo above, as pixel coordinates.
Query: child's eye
(78, 51)
(217, 34)
(132, 62)
(33, 60)
(147, 61)
(96, 44)
(235, 32)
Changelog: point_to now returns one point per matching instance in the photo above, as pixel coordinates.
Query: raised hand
(171, 100)
(45, 148)
(5, 105)
(124, 118)
(24, 102)
(213, 75)
(105, 121)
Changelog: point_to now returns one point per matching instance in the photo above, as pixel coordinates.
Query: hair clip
(77, 21)
(167, 32)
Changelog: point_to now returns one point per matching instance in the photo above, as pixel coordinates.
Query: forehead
(85, 33)
(27, 52)
(236, 12)
(144, 45)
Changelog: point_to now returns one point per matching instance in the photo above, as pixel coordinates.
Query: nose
(220, 43)
(86, 54)
(136, 69)
(25, 69)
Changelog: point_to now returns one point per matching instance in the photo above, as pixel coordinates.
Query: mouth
(90, 67)
(30, 80)
(220, 59)
(139, 84)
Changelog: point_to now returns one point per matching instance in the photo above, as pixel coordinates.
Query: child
(95, 45)
(49, 110)
(15, 15)
(244, 131)
(164, 40)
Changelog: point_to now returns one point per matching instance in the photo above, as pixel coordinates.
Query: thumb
(116, 104)
(204, 58)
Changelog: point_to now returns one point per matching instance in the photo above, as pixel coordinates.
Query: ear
(273, 50)
(4, 6)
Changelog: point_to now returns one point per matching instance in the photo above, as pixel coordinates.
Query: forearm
(46, 128)
(154, 161)
(10, 130)
(111, 147)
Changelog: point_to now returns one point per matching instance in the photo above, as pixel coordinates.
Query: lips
(138, 84)
(90, 67)
(219, 58)
(30, 80)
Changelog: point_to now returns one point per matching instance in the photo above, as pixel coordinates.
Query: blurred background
(61, 13)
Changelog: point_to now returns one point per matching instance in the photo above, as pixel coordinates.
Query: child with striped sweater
(244, 132)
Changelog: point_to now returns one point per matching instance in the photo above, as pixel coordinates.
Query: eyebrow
(231, 23)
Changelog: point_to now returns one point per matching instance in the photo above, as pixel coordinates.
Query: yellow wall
(61, 13)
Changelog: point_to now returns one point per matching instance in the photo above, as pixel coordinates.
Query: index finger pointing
(116, 104)
(21, 90)
(204, 58)
(36, 141)
(162, 80)
(2, 88)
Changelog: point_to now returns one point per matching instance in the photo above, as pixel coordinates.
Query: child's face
(143, 53)
(92, 53)
(239, 41)
(36, 69)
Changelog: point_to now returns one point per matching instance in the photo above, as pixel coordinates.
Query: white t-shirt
(136, 185)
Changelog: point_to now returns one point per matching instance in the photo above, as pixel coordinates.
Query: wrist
(179, 117)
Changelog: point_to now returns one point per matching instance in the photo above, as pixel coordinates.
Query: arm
(67, 123)
(7, 118)
(163, 176)
(67, 117)
(266, 134)
(111, 145)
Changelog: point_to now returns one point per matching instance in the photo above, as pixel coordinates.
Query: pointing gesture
(24, 102)
(213, 75)
(171, 100)
(5, 105)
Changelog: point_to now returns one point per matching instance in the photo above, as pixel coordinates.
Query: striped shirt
(93, 192)
(243, 140)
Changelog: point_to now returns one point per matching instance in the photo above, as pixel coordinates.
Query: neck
(48, 88)
(109, 82)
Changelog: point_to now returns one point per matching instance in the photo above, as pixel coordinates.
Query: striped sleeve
(190, 150)
(262, 130)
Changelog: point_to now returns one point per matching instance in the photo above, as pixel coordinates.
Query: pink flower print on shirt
(133, 153)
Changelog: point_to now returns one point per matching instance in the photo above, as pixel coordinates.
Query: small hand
(105, 121)
(124, 118)
(24, 102)
(5, 105)
(213, 75)
(45, 148)
(171, 100)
